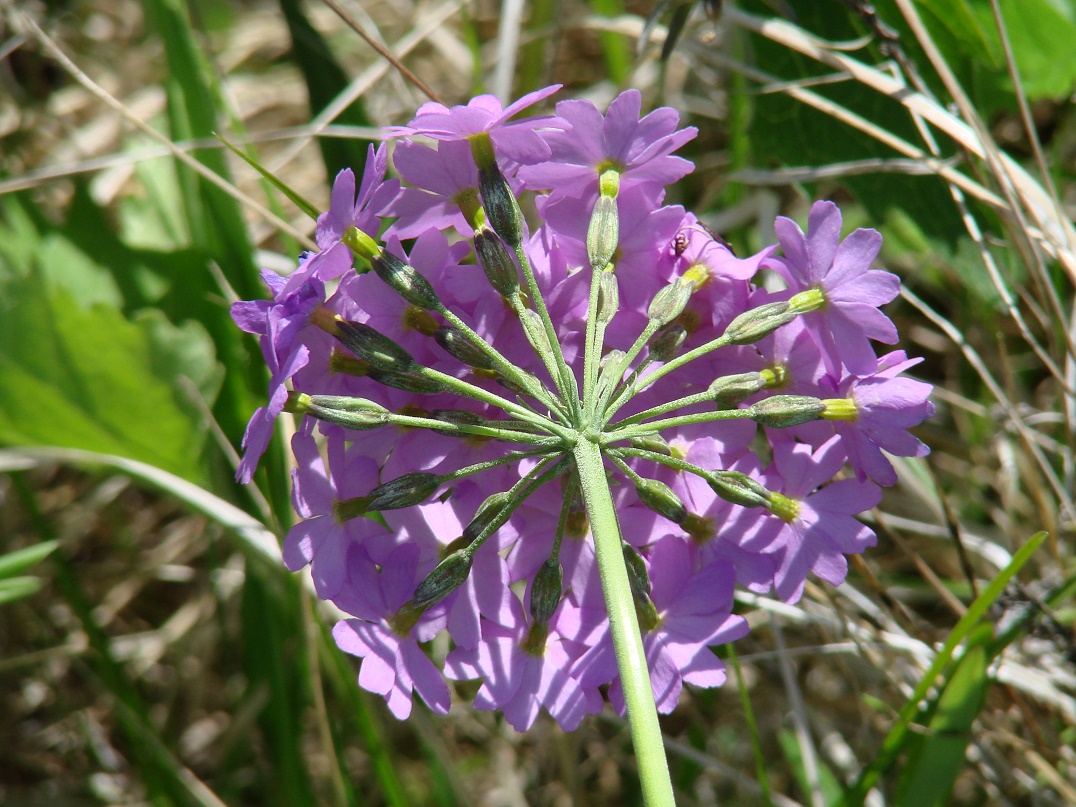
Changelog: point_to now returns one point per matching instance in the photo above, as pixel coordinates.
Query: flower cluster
(445, 397)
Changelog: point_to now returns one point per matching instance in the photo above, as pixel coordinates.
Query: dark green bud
(546, 590)
(637, 575)
(502, 209)
(517, 388)
(450, 574)
(608, 297)
(666, 342)
(351, 413)
(497, 263)
(403, 491)
(738, 488)
(670, 302)
(752, 325)
(408, 382)
(729, 390)
(492, 513)
(459, 417)
(373, 347)
(603, 233)
(783, 411)
(659, 497)
(460, 347)
(406, 281)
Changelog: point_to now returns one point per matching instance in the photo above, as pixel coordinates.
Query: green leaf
(274, 180)
(937, 757)
(89, 378)
(15, 588)
(17, 562)
(1041, 33)
(897, 739)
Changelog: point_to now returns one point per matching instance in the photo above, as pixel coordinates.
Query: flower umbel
(472, 410)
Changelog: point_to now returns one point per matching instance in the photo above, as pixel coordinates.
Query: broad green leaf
(17, 562)
(1042, 34)
(89, 378)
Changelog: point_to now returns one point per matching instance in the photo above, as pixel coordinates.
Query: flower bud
(637, 574)
(783, 411)
(669, 302)
(738, 488)
(606, 367)
(502, 209)
(496, 262)
(410, 381)
(608, 297)
(381, 352)
(460, 347)
(406, 281)
(652, 442)
(546, 590)
(492, 513)
(666, 343)
(360, 243)
(639, 581)
(752, 325)
(534, 329)
(450, 574)
(404, 491)
(531, 379)
(603, 233)
(729, 390)
(359, 414)
(458, 417)
(660, 498)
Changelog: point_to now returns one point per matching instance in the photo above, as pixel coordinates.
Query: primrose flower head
(473, 400)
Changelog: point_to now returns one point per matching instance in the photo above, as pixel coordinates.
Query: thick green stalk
(627, 642)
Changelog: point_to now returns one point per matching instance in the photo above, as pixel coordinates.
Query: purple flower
(324, 535)
(640, 149)
(814, 527)
(441, 179)
(393, 665)
(519, 678)
(885, 408)
(841, 270)
(518, 140)
(694, 610)
(278, 323)
(414, 571)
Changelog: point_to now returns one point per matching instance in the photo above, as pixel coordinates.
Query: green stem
(466, 429)
(504, 367)
(624, 625)
(478, 394)
(569, 390)
(625, 362)
(655, 426)
(592, 352)
(664, 370)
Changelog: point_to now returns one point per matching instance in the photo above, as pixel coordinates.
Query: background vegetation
(153, 649)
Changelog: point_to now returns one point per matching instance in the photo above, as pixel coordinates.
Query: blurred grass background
(152, 649)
